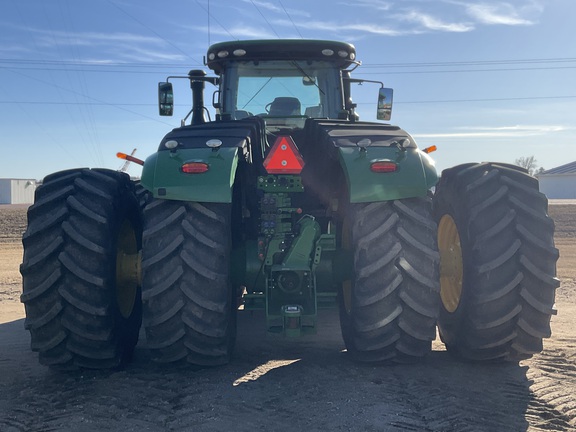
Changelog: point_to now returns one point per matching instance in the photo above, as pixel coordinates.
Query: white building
(17, 191)
(560, 182)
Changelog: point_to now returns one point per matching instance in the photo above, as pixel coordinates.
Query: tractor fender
(163, 176)
(414, 175)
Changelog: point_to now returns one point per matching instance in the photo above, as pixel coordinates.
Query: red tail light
(284, 158)
(383, 167)
(194, 168)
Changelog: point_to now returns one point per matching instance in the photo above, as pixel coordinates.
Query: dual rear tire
(80, 270)
(82, 278)
(189, 303)
(498, 262)
(481, 264)
(389, 306)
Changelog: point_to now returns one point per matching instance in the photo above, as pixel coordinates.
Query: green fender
(414, 176)
(162, 175)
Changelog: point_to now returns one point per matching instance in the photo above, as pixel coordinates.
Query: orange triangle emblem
(284, 157)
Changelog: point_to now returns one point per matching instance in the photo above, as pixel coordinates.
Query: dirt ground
(306, 384)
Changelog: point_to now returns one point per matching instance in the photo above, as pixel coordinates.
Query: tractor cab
(283, 82)
(282, 92)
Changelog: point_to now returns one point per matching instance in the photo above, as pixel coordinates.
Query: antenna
(208, 22)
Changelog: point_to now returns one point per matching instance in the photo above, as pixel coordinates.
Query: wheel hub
(451, 263)
(128, 272)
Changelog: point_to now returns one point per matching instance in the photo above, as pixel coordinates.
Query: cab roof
(341, 53)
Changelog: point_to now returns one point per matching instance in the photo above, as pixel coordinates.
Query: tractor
(287, 202)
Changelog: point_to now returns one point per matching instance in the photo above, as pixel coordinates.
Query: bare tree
(529, 162)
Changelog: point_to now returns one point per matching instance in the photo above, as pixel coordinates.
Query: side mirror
(165, 99)
(215, 100)
(385, 104)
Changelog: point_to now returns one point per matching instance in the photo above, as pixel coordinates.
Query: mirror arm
(183, 121)
(361, 81)
(212, 80)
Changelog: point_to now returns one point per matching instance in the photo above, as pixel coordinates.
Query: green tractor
(286, 202)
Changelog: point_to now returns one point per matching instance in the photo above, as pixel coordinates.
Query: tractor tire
(142, 194)
(389, 307)
(189, 304)
(80, 270)
(498, 262)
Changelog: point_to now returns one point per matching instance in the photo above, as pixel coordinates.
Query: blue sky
(483, 80)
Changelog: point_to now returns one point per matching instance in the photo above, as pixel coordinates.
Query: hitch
(292, 320)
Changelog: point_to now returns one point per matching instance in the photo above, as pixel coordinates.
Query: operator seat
(285, 106)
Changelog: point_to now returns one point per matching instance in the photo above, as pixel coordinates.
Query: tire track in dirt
(553, 377)
(467, 397)
(312, 388)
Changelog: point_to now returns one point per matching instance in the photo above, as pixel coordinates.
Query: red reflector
(383, 167)
(284, 158)
(194, 168)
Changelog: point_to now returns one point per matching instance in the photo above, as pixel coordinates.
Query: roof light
(364, 142)
(194, 167)
(328, 52)
(239, 52)
(343, 53)
(430, 149)
(214, 143)
(171, 145)
(222, 54)
(284, 157)
(211, 56)
(352, 56)
(383, 167)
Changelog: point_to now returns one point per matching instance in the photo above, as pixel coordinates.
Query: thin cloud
(331, 26)
(521, 128)
(501, 13)
(104, 47)
(140, 54)
(239, 31)
(93, 39)
(400, 19)
(373, 4)
(277, 9)
(432, 23)
(515, 131)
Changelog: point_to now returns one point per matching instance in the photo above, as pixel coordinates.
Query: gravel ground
(305, 384)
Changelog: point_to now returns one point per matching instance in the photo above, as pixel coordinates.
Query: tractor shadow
(273, 383)
(440, 393)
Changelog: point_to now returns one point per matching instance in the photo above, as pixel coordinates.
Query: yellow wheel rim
(451, 267)
(127, 269)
